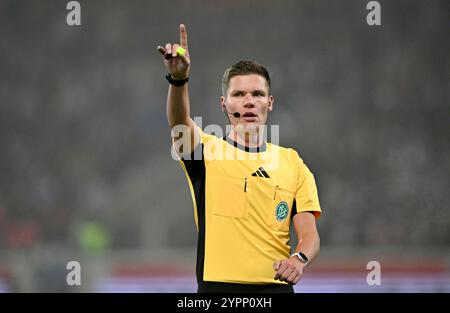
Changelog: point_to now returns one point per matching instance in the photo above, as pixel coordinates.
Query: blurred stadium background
(85, 166)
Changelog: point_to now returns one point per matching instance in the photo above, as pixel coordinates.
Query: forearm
(178, 114)
(291, 269)
(309, 244)
(178, 108)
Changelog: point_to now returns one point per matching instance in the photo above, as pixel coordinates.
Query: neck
(250, 139)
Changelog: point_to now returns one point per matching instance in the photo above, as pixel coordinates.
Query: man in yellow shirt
(245, 190)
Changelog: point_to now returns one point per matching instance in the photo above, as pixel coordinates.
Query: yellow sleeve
(306, 197)
(200, 138)
(204, 137)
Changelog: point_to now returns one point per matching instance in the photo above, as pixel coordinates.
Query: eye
(258, 93)
(238, 94)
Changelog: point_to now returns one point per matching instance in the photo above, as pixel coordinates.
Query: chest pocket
(271, 203)
(282, 201)
(228, 196)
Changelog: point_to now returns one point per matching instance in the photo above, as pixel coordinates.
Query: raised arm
(178, 107)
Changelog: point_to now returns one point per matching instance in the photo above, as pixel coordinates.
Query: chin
(249, 127)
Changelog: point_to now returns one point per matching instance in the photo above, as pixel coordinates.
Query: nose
(249, 102)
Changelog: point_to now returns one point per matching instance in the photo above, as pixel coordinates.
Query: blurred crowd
(85, 147)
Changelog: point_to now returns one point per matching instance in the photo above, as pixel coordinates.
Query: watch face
(303, 257)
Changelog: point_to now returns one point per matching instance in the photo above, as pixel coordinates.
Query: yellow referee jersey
(243, 203)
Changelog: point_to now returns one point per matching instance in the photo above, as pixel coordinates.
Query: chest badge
(282, 211)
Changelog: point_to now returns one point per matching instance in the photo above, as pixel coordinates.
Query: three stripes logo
(261, 173)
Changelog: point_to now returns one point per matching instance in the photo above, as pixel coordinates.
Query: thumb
(276, 265)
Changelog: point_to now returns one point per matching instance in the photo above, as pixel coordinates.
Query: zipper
(245, 185)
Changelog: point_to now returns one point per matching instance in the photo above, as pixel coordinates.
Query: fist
(289, 270)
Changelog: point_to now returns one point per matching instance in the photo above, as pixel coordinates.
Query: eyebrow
(253, 91)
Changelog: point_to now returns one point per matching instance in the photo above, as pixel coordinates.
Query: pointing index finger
(183, 36)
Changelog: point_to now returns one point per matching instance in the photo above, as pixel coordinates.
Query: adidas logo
(261, 173)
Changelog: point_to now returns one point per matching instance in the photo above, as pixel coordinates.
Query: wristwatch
(301, 257)
(176, 82)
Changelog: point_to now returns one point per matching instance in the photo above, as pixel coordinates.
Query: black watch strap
(175, 82)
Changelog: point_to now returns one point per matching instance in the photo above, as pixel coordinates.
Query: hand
(289, 270)
(177, 65)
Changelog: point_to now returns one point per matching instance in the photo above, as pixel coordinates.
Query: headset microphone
(235, 114)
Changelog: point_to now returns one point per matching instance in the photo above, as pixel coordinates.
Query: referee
(243, 204)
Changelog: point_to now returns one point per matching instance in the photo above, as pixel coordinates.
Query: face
(248, 95)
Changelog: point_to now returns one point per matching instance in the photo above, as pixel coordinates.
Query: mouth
(249, 116)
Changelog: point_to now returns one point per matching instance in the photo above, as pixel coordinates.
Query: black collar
(261, 148)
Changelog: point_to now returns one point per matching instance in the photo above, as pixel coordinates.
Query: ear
(271, 101)
(222, 103)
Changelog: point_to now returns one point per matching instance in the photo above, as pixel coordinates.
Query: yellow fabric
(243, 236)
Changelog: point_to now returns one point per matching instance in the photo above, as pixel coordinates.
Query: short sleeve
(306, 197)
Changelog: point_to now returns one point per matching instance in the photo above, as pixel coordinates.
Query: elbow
(318, 244)
(182, 123)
